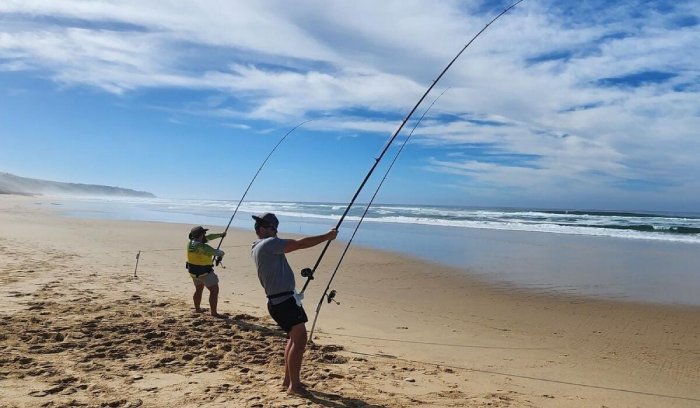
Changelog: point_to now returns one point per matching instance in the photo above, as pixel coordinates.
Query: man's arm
(211, 237)
(208, 250)
(308, 242)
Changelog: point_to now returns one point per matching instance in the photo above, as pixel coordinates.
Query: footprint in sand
(59, 385)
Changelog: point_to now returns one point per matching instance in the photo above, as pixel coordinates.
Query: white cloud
(284, 61)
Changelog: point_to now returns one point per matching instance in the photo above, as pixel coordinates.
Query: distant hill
(11, 184)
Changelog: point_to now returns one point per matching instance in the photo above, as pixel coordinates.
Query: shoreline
(482, 279)
(592, 266)
(460, 340)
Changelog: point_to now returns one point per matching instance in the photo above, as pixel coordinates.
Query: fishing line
(218, 259)
(308, 273)
(331, 296)
(143, 251)
(146, 251)
(526, 377)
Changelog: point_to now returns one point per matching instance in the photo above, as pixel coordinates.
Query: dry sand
(79, 329)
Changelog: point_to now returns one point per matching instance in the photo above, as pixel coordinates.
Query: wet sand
(79, 329)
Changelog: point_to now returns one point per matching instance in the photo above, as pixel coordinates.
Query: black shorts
(287, 314)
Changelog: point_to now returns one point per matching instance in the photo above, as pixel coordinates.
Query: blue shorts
(287, 314)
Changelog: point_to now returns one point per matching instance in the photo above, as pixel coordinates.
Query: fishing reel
(330, 297)
(218, 261)
(307, 273)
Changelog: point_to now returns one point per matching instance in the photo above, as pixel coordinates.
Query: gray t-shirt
(274, 272)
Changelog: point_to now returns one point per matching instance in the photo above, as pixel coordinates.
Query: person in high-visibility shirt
(200, 265)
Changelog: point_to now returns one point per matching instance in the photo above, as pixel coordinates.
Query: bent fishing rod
(308, 273)
(218, 259)
(330, 296)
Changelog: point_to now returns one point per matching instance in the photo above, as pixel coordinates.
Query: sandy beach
(80, 329)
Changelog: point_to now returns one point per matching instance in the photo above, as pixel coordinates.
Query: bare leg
(285, 383)
(197, 297)
(297, 339)
(213, 299)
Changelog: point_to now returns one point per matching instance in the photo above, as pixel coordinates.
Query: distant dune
(11, 184)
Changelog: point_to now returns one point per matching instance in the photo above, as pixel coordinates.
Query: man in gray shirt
(277, 278)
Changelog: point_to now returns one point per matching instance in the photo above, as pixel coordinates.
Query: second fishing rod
(330, 296)
(308, 273)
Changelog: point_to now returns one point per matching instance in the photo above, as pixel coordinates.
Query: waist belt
(199, 270)
(276, 295)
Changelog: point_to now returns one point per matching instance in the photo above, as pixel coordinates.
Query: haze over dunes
(11, 184)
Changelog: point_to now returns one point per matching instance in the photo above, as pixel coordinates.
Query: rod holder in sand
(138, 255)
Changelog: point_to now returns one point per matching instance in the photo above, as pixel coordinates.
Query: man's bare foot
(200, 310)
(285, 385)
(299, 391)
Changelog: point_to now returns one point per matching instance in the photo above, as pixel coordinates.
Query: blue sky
(558, 104)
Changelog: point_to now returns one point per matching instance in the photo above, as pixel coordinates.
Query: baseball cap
(197, 231)
(266, 219)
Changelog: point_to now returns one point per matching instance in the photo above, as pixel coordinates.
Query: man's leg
(213, 299)
(285, 382)
(197, 297)
(297, 345)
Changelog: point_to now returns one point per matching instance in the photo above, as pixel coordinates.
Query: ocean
(633, 256)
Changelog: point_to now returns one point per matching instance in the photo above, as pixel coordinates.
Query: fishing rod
(330, 296)
(218, 259)
(308, 273)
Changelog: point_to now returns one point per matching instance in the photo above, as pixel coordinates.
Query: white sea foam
(580, 223)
